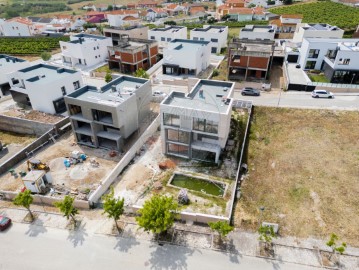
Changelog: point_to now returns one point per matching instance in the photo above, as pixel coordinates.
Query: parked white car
(322, 94)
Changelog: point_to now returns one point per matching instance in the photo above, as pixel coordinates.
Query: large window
(178, 136)
(76, 85)
(171, 120)
(176, 149)
(205, 125)
(214, 39)
(313, 53)
(310, 64)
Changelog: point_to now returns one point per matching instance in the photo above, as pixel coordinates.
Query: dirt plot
(304, 169)
(78, 177)
(34, 115)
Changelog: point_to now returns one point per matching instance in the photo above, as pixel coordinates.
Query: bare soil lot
(78, 177)
(304, 169)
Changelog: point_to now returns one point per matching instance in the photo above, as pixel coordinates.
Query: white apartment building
(196, 125)
(18, 27)
(167, 34)
(119, 18)
(43, 87)
(257, 32)
(317, 30)
(216, 35)
(105, 117)
(9, 64)
(84, 49)
(338, 58)
(183, 56)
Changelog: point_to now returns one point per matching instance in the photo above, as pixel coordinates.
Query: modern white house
(85, 50)
(117, 18)
(9, 64)
(43, 87)
(167, 34)
(317, 30)
(337, 58)
(216, 35)
(183, 56)
(105, 117)
(18, 27)
(257, 32)
(196, 125)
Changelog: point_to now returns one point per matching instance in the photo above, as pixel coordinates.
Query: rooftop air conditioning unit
(113, 88)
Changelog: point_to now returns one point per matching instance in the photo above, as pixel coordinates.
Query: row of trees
(157, 216)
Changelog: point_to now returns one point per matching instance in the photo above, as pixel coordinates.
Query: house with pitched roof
(287, 23)
(120, 17)
(174, 9)
(19, 27)
(153, 14)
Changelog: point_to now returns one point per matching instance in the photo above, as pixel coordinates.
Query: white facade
(43, 85)
(197, 125)
(167, 34)
(187, 54)
(18, 28)
(9, 64)
(116, 18)
(254, 32)
(305, 30)
(216, 35)
(344, 53)
(84, 49)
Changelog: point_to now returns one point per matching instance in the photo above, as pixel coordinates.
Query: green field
(329, 12)
(29, 45)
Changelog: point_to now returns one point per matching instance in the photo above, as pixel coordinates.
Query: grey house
(196, 125)
(105, 117)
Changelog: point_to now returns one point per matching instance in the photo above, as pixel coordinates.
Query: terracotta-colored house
(131, 54)
(94, 16)
(147, 4)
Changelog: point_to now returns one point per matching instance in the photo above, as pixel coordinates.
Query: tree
(266, 234)
(108, 77)
(112, 206)
(67, 208)
(158, 214)
(332, 243)
(215, 73)
(45, 56)
(221, 227)
(225, 17)
(252, 5)
(24, 199)
(141, 73)
(110, 8)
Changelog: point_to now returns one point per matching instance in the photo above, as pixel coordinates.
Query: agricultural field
(304, 172)
(343, 16)
(29, 45)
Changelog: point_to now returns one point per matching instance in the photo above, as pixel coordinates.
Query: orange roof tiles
(123, 12)
(20, 20)
(292, 16)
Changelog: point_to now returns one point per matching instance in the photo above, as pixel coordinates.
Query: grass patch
(318, 78)
(306, 177)
(222, 71)
(343, 16)
(103, 68)
(11, 137)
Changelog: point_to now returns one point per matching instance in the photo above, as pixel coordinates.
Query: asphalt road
(35, 247)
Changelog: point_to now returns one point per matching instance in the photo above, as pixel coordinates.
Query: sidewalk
(239, 243)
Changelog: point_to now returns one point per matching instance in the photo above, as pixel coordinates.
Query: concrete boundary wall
(155, 67)
(131, 153)
(41, 199)
(23, 126)
(57, 129)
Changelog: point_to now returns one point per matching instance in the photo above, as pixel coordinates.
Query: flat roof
(207, 95)
(111, 94)
(186, 44)
(86, 38)
(320, 27)
(6, 60)
(170, 29)
(258, 28)
(210, 29)
(44, 74)
(348, 44)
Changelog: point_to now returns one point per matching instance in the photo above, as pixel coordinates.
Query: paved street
(36, 247)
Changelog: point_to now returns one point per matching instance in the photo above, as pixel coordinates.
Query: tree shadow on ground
(36, 228)
(125, 244)
(77, 236)
(169, 257)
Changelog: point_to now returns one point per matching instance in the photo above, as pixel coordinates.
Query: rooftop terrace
(85, 38)
(44, 74)
(111, 94)
(6, 60)
(210, 29)
(320, 27)
(258, 28)
(170, 29)
(205, 96)
(186, 44)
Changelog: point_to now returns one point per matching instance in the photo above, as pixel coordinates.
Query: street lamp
(261, 208)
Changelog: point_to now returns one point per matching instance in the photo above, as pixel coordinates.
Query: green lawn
(318, 78)
(343, 16)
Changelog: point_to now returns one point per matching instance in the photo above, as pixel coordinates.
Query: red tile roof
(240, 11)
(20, 20)
(123, 12)
(130, 18)
(171, 6)
(292, 16)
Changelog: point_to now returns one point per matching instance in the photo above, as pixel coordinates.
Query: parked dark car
(249, 91)
(4, 223)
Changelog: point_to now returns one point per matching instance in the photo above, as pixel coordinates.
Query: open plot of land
(14, 143)
(82, 176)
(304, 169)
